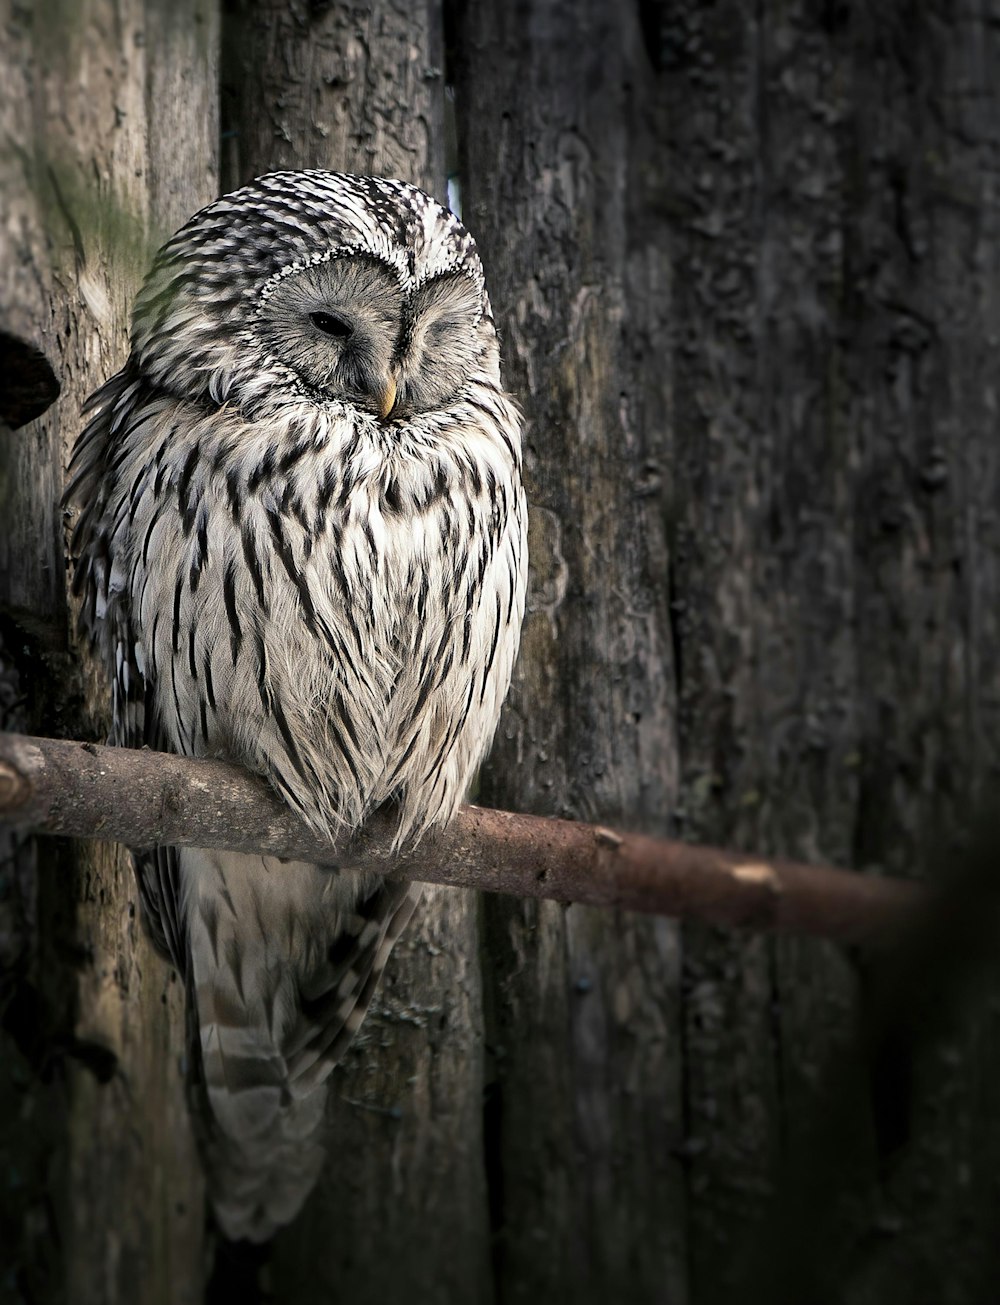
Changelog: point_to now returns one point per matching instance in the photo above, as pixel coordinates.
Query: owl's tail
(284, 960)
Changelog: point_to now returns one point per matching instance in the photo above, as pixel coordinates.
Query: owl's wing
(137, 725)
(104, 621)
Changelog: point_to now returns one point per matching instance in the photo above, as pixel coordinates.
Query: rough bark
(585, 1109)
(28, 383)
(804, 199)
(358, 88)
(361, 89)
(102, 1194)
(832, 186)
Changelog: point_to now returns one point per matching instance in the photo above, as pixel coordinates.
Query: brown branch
(143, 798)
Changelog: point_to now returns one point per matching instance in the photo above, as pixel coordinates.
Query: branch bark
(143, 798)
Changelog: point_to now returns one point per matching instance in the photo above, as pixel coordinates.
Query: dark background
(744, 261)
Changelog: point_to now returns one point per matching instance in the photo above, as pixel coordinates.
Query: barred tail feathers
(284, 959)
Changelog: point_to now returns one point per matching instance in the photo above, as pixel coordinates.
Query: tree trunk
(585, 1107)
(109, 108)
(744, 267)
(836, 557)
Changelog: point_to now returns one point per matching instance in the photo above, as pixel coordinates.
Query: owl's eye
(331, 324)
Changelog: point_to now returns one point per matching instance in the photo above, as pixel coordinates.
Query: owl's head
(323, 286)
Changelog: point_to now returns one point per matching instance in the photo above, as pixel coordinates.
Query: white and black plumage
(301, 546)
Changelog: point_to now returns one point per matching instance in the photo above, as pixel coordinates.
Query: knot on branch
(15, 788)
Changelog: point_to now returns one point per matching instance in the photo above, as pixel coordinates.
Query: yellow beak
(387, 397)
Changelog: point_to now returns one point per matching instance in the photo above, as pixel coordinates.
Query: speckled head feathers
(212, 275)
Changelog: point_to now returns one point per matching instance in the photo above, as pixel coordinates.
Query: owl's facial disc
(348, 329)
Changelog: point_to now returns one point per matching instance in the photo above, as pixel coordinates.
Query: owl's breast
(342, 621)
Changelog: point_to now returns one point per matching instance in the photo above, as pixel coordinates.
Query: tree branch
(142, 798)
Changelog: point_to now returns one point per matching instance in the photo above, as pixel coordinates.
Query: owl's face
(322, 287)
(349, 330)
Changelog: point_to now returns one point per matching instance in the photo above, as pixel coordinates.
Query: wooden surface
(114, 141)
(835, 284)
(747, 282)
(744, 263)
(587, 1089)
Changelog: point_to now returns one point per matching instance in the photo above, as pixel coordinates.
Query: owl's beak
(386, 396)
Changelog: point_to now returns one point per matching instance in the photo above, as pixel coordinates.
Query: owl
(300, 546)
